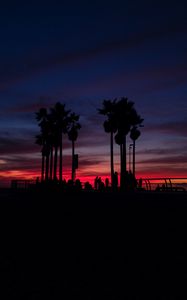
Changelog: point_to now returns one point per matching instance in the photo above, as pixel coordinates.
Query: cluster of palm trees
(122, 119)
(53, 125)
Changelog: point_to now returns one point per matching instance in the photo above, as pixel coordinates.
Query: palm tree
(56, 145)
(119, 140)
(46, 150)
(127, 117)
(73, 128)
(46, 132)
(41, 115)
(52, 144)
(110, 126)
(123, 114)
(51, 159)
(40, 142)
(60, 117)
(54, 137)
(42, 139)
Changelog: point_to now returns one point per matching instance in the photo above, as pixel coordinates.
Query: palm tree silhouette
(73, 128)
(40, 142)
(119, 141)
(54, 144)
(60, 117)
(127, 117)
(46, 132)
(43, 140)
(110, 126)
(52, 141)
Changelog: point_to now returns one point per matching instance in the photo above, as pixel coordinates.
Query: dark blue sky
(80, 53)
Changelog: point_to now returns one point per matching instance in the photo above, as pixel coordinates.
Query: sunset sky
(80, 53)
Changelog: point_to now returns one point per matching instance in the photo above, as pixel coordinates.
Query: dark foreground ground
(93, 245)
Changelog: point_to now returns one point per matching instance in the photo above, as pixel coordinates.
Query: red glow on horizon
(5, 178)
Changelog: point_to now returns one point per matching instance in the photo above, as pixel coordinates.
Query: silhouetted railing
(160, 184)
(165, 184)
(22, 183)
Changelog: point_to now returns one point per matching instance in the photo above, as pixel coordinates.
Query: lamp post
(135, 133)
(130, 147)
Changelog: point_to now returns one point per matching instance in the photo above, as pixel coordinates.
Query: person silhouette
(107, 183)
(115, 180)
(96, 183)
(140, 183)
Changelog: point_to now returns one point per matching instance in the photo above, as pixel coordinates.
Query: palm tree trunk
(60, 166)
(73, 162)
(133, 158)
(43, 167)
(55, 163)
(47, 168)
(111, 159)
(51, 163)
(124, 161)
(121, 165)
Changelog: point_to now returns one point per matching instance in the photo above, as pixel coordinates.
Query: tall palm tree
(42, 139)
(60, 117)
(51, 159)
(123, 113)
(55, 141)
(41, 115)
(46, 132)
(110, 126)
(52, 144)
(56, 146)
(40, 142)
(127, 117)
(73, 128)
(119, 140)
(46, 150)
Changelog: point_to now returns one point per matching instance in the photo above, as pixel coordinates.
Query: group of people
(99, 185)
(130, 183)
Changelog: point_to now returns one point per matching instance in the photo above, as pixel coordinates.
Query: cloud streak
(178, 128)
(39, 61)
(171, 160)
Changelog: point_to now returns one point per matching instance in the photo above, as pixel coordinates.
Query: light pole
(130, 147)
(134, 135)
